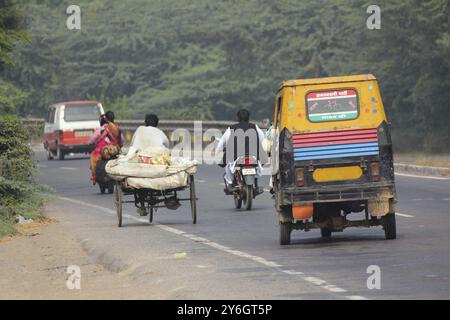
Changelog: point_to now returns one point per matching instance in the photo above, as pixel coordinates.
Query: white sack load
(173, 181)
(153, 176)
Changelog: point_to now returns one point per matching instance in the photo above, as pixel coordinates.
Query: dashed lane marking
(68, 168)
(271, 264)
(404, 215)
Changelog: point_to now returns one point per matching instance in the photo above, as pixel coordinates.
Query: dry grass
(29, 229)
(421, 159)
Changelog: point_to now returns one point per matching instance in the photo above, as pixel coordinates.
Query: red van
(69, 126)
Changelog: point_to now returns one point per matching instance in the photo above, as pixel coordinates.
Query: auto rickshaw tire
(325, 232)
(389, 226)
(285, 233)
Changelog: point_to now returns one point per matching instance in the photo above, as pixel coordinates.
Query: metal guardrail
(168, 126)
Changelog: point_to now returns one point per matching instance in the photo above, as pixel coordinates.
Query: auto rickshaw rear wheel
(389, 226)
(285, 233)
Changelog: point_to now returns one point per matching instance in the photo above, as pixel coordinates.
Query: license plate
(80, 134)
(246, 172)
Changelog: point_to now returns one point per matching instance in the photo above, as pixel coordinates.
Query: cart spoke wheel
(118, 195)
(193, 200)
(150, 215)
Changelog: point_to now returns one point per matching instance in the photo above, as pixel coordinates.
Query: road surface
(235, 254)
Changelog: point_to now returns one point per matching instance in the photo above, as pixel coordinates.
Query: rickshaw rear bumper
(338, 193)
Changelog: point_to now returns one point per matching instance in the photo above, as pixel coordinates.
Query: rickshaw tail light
(299, 177)
(375, 171)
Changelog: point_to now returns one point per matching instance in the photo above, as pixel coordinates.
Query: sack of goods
(152, 168)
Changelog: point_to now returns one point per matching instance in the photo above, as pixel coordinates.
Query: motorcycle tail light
(375, 171)
(249, 160)
(299, 177)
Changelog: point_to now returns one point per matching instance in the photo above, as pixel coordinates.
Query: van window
(51, 115)
(81, 112)
(332, 105)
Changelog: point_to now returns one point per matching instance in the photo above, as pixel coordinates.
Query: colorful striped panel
(339, 144)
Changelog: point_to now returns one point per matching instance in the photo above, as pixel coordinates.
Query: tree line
(204, 59)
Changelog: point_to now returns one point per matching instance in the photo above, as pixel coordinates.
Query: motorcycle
(245, 185)
(102, 178)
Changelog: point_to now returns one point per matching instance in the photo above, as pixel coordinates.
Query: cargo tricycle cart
(151, 200)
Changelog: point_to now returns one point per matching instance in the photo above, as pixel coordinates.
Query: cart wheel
(389, 226)
(193, 200)
(248, 197)
(118, 201)
(285, 233)
(237, 201)
(150, 216)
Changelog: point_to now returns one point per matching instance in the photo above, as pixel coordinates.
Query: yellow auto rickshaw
(332, 156)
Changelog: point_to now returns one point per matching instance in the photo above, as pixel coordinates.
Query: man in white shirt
(230, 161)
(148, 136)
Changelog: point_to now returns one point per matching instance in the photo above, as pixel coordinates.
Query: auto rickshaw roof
(340, 79)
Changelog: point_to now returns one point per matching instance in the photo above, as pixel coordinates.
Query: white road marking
(334, 288)
(313, 280)
(293, 272)
(404, 215)
(68, 168)
(422, 199)
(422, 177)
(42, 166)
(356, 297)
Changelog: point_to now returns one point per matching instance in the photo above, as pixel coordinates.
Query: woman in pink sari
(108, 134)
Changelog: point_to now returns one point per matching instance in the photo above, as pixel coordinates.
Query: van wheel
(325, 232)
(49, 155)
(389, 226)
(285, 233)
(60, 154)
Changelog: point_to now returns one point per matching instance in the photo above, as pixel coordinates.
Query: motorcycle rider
(242, 134)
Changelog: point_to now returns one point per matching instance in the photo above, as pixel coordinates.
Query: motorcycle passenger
(109, 134)
(243, 133)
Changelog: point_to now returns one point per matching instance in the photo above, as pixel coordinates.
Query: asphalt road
(236, 253)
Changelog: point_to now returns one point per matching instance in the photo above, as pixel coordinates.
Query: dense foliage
(203, 59)
(19, 194)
